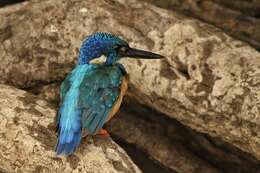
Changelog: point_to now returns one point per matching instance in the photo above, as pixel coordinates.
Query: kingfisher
(92, 93)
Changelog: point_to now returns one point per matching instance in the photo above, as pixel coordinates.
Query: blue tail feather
(68, 142)
(69, 132)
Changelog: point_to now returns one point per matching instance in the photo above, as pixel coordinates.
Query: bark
(28, 140)
(208, 81)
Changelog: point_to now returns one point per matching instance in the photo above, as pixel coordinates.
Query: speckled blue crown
(98, 44)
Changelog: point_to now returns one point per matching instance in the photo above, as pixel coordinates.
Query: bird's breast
(117, 104)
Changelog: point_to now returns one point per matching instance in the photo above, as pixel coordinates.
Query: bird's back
(89, 96)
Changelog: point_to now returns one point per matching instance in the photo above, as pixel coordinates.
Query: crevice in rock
(193, 151)
(9, 2)
(136, 122)
(213, 151)
(244, 16)
(142, 159)
(248, 7)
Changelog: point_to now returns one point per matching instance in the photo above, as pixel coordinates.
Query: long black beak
(137, 53)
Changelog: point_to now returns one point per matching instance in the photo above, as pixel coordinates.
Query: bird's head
(112, 47)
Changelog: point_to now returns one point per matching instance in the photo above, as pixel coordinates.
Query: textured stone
(169, 152)
(239, 18)
(28, 141)
(208, 80)
(187, 150)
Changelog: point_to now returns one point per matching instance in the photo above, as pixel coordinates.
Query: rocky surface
(216, 90)
(208, 80)
(28, 140)
(146, 135)
(239, 18)
(167, 141)
(188, 150)
(149, 137)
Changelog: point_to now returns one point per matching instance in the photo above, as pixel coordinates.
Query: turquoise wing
(99, 91)
(69, 116)
(65, 86)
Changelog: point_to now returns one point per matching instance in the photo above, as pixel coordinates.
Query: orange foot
(102, 132)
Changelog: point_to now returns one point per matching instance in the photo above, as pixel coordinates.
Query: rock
(187, 151)
(28, 140)
(145, 135)
(246, 7)
(239, 18)
(208, 81)
(149, 138)
(48, 92)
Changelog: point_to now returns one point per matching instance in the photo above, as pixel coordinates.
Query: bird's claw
(102, 132)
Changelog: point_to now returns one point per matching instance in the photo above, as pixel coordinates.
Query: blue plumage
(100, 44)
(70, 112)
(99, 92)
(89, 93)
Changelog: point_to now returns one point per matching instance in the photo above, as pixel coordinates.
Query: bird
(91, 93)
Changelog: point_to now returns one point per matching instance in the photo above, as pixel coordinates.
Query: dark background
(9, 2)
